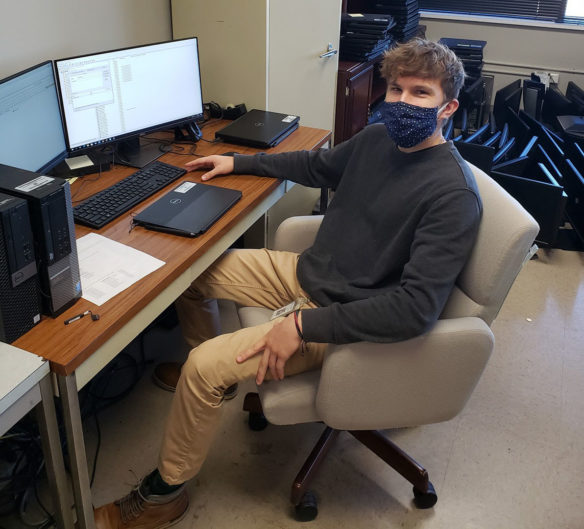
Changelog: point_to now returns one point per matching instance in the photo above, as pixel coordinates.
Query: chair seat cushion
(289, 401)
(292, 400)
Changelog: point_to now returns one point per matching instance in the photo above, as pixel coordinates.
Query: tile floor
(513, 459)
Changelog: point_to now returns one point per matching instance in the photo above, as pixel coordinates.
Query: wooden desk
(25, 384)
(77, 352)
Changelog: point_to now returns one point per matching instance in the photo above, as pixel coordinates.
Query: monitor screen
(113, 95)
(574, 93)
(500, 104)
(517, 127)
(513, 100)
(30, 121)
(556, 104)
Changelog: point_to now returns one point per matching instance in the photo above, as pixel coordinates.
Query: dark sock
(154, 484)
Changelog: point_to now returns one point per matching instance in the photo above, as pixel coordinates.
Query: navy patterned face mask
(409, 125)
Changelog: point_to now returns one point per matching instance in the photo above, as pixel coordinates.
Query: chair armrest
(295, 234)
(423, 380)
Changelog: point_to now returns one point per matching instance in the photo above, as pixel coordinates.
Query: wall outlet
(548, 78)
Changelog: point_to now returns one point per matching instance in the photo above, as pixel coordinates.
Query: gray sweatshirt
(395, 236)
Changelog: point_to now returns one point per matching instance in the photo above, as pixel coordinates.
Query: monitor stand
(138, 154)
(193, 132)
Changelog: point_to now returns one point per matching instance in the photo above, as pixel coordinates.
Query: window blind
(544, 10)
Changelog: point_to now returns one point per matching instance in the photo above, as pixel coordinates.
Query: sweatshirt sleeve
(441, 246)
(322, 168)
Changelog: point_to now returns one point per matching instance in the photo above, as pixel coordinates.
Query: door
(300, 82)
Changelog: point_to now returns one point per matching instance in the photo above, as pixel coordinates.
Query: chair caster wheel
(425, 500)
(307, 509)
(257, 421)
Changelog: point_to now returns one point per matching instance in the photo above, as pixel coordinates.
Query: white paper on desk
(108, 267)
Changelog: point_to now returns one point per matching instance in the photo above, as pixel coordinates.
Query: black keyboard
(114, 201)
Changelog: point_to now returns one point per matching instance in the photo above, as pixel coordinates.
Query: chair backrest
(505, 236)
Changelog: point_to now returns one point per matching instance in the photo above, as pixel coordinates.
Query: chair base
(424, 494)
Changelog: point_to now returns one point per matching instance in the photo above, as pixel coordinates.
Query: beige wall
(32, 31)
(508, 46)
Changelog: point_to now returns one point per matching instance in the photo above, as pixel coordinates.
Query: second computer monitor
(117, 95)
(30, 121)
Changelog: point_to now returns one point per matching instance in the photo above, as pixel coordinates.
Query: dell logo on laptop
(175, 200)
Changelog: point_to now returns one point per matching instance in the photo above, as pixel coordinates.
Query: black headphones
(213, 110)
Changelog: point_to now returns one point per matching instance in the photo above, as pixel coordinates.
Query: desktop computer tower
(51, 214)
(20, 306)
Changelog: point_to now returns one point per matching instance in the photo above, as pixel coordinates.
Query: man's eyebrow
(421, 86)
(426, 87)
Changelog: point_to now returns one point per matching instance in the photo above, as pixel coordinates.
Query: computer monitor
(514, 166)
(518, 128)
(478, 155)
(500, 104)
(535, 125)
(540, 195)
(533, 94)
(575, 94)
(504, 152)
(542, 156)
(30, 121)
(575, 152)
(472, 93)
(556, 104)
(551, 143)
(115, 96)
(479, 135)
(513, 100)
(492, 140)
(529, 146)
(550, 140)
(504, 135)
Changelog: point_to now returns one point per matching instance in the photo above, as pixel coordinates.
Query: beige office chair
(365, 387)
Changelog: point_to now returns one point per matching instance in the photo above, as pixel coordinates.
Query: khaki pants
(260, 278)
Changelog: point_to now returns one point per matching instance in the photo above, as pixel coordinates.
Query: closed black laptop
(259, 128)
(189, 210)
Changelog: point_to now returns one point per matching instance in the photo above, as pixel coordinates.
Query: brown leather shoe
(166, 375)
(135, 511)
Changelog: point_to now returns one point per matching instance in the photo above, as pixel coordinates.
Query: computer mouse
(230, 153)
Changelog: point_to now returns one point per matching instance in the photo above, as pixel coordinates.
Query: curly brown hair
(428, 60)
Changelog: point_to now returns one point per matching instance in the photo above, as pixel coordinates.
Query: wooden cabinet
(268, 54)
(358, 87)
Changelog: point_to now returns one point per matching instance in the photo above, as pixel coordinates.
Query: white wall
(509, 46)
(32, 31)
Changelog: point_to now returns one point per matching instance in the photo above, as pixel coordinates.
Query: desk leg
(47, 420)
(76, 447)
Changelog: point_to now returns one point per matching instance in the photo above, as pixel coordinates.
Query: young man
(398, 231)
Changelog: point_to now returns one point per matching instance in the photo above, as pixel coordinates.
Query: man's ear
(449, 109)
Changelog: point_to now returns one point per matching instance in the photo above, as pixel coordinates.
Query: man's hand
(219, 165)
(277, 346)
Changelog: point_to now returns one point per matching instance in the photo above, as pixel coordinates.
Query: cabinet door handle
(329, 51)
(328, 54)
